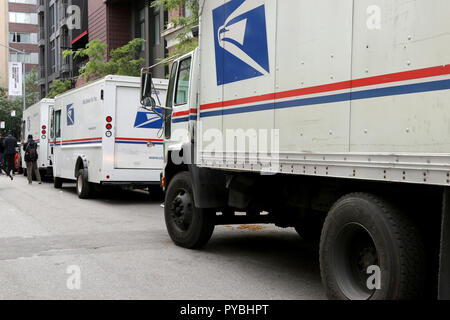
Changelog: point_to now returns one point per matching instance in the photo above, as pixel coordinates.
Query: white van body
(36, 121)
(129, 153)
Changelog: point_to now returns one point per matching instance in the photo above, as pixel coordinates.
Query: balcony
(65, 65)
(41, 40)
(41, 75)
(62, 15)
(41, 6)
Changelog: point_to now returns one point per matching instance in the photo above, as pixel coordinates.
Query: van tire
(362, 230)
(188, 226)
(84, 187)
(57, 183)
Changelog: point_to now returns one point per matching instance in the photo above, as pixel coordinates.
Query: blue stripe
(185, 119)
(349, 96)
(138, 142)
(178, 120)
(80, 143)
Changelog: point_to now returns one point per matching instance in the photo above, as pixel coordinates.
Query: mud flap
(444, 257)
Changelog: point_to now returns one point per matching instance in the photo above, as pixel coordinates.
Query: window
(157, 27)
(21, 17)
(18, 37)
(51, 16)
(52, 56)
(58, 124)
(30, 58)
(142, 27)
(24, 1)
(184, 72)
(169, 101)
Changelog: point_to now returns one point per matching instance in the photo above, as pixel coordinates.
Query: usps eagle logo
(148, 120)
(70, 115)
(240, 32)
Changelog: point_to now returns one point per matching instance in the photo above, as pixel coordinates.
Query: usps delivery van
(102, 136)
(35, 121)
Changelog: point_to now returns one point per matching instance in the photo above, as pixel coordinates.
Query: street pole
(23, 75)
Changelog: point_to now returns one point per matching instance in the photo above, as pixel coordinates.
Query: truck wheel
(365, 239)
(188, 226)
(57, 182)
(83, 186)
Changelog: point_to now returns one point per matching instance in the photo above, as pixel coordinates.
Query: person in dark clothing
(2, 153)
(10, 145)
(31, 157)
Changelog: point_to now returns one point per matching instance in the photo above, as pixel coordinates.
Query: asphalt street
(56, 246)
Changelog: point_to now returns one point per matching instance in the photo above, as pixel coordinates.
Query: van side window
(58, 124)
(184, 72)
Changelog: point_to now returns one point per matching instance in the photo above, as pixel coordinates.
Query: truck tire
(57, 182)
(363, 230)
(188, 226)
(84, 189)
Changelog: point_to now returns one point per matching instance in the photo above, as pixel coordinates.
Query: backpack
(31, 152)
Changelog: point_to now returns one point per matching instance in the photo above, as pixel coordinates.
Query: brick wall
(97, 20)
(119, 30)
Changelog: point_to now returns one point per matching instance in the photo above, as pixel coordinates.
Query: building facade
(116, 22)
(23, 32)
(63, 24)
(3, 41)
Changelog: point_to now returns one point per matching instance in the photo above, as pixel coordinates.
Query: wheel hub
(182, 210)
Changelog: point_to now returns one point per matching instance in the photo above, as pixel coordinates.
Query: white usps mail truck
(101, 135)
(35, 122)
(332, 117)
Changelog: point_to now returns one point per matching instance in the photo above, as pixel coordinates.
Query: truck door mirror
(149, 102)
(146, 88)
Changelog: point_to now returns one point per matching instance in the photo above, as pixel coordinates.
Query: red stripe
(363, 82)
(81, 140)
(184, 113)
(135, 139)
(79, 37)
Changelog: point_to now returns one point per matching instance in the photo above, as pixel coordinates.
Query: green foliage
(32, 88)
(59, 87)
(186, 42)
(6, 105)
(124, 61)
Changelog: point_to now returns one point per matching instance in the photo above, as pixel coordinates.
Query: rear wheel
(370, 250)
(188, 226)
(84, 188)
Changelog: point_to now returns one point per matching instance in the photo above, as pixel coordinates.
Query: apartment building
(63, 24)
(23, 32)
(170, 32)
(117, 22)
(114, 22)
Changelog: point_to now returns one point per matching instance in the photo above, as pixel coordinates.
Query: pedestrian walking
(31, 157)
(10, 145)
(2, 153)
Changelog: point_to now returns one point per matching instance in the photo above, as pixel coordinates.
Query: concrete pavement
(120, 245)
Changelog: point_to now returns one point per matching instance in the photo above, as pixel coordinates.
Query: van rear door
(139, 141)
